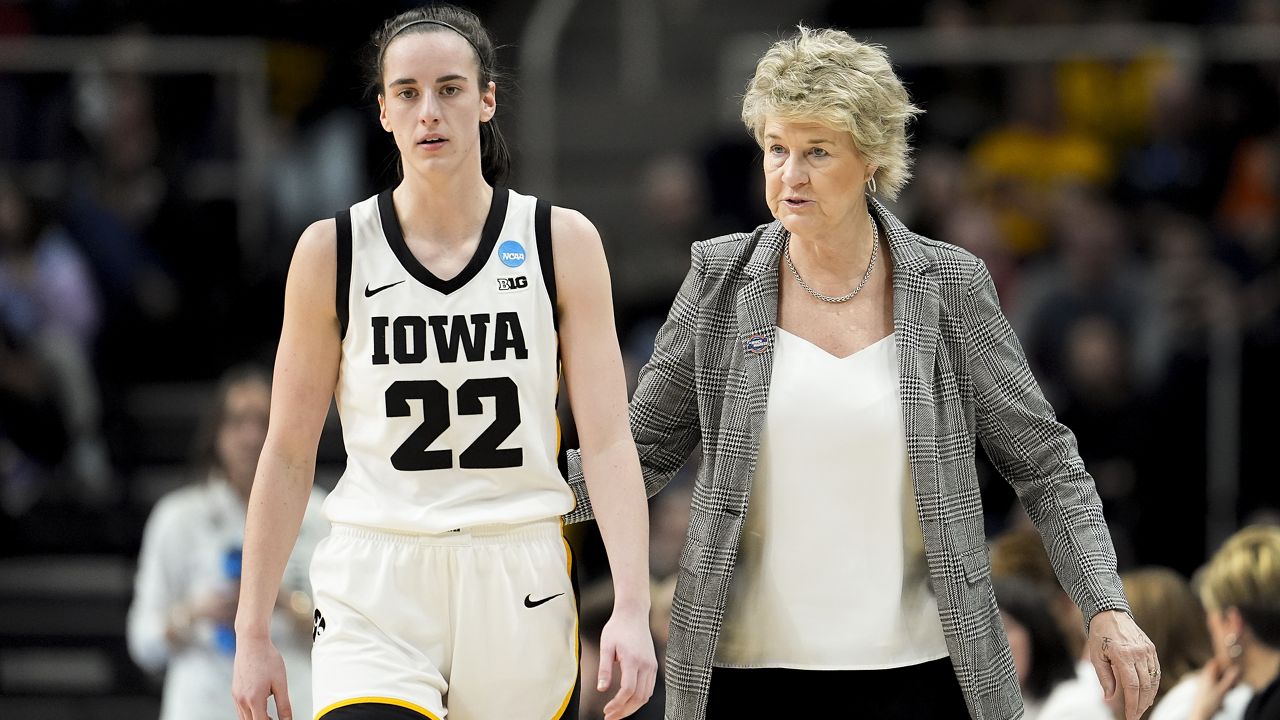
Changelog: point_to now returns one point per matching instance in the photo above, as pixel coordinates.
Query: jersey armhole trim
(542, 233)
(342, 297)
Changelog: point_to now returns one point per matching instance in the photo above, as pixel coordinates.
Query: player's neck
(443, 207)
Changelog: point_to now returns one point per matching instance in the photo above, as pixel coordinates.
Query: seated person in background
(1051, 690)
(1173, 617)
(1240, 589)
(184, 604)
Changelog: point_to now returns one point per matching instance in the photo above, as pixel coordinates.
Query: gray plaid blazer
(963, 378)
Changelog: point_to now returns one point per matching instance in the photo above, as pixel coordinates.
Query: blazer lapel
(757, 305)
(916, 325)
(757, 322)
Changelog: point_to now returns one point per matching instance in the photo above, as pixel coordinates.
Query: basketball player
(444, 587)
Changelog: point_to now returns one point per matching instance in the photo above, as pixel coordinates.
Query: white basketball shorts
(476, 624)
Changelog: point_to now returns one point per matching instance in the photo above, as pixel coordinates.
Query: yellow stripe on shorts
(380, 701)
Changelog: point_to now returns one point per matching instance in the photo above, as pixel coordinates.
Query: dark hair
(495, 157)
(205, 448)
(1051, 663)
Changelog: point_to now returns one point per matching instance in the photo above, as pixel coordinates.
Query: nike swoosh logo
(529, 602)
(375, 291)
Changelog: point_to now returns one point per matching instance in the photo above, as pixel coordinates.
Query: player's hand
(259, 673)
(1125, 661)
(626, 643)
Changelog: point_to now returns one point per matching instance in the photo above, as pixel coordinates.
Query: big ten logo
(513, 283)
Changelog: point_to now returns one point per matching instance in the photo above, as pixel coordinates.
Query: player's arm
(598, 396)
(306, 371)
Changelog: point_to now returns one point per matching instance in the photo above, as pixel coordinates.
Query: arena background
(1116, 164)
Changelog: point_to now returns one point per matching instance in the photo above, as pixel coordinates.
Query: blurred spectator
(1169, 612)
(166, 265)
(941, 187)
(1240, 589)
(49, 317)
(181, 620)
(1112, 100)
(1025, 162)
(1046, 671)
(120, 191)
(649, 256)
(1170, 165)
(1250, 212)
(1093, 272)
(33, 433)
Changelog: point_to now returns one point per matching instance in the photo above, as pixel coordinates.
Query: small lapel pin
(756, 344)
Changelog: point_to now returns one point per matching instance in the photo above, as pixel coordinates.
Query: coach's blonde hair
(826, 76)
(1245, 574)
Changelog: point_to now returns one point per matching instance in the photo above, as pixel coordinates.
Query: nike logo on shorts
(529, 602)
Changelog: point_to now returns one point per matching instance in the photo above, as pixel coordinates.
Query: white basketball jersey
(447, 388)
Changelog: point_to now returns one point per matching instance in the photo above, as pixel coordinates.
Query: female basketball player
(444, 586)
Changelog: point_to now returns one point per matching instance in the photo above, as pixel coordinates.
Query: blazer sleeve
(1038, 455)
(664, 409)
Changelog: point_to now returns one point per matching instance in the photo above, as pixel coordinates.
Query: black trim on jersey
(488, 238)
(343, 296)
(542, 233)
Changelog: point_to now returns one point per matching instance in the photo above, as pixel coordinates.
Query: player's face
(243, 431)
(432, 100)
(813, 176)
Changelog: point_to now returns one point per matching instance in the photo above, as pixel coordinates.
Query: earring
(871, 183)
(1234, 648)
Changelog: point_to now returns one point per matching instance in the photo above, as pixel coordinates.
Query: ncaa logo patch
(511, 253)
(756, 344)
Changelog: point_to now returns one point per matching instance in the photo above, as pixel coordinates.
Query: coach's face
(432, 100)
(813, 176)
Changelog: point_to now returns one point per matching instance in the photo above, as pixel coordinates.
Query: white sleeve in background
(158, 585)
(1179, 701)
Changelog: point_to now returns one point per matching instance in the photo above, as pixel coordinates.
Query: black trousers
(915, 692)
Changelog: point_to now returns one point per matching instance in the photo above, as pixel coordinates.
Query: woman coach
(838, 370)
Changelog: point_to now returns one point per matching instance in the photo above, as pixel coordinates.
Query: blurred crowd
(1128, 209)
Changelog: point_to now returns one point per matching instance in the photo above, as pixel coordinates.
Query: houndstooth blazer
(963, 378)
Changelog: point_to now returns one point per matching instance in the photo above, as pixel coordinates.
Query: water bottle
(224, 634)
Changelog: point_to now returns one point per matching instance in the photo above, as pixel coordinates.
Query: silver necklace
(875, 245)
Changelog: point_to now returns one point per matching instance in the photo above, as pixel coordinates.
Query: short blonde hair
(1245, 574)
(826, 76)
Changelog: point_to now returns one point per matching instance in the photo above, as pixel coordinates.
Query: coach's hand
(259, 673)
(627, 643)
(1125, 660)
